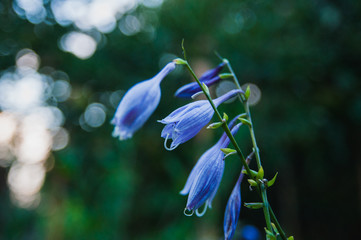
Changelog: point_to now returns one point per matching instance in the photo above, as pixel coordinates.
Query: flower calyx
(180, 61)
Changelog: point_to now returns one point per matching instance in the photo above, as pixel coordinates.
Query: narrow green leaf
(254, 173)
(256, 205)
(260, 173)
(274, 228)
(272, 181)
(228, 150)
(245, 121)
(248, 92)
(225, 117)
(291, 238)
(214, 125)
(225, 75)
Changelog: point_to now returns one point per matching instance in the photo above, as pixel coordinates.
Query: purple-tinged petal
(210, 77)
(185, 122)
(226, 96)
(201, 161)
(234, 130)
(190, 89)
(138, 104)
(179, 113)
(195, 170)
(212, 72)
(206, 181)
(231, 215)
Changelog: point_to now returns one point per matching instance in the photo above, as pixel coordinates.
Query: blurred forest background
(66, 63)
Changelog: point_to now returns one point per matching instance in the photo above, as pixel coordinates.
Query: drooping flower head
(205, 177)
(231, 215)
(210, 77)
(138, 104)
(185, 122)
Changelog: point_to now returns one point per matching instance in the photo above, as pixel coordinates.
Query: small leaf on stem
(228, 150)
(225, 117)
(245, 121)
(214, 125)
(252, 182)
(248, 92)
(272, 181)
(274, 228)
(180, 61)
(225, 75)
(253, 172)
(260, 173)
(256, 205)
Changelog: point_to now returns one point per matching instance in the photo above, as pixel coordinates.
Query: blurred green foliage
(305, 58)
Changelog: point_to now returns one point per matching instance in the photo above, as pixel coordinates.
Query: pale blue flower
(138, 104)
(185, 122)
(205, 177)
(210, 77)
(231, 215)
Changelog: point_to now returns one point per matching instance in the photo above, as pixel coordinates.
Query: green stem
(224, 125)
(267, 208)
(277, 224)
(253, 137)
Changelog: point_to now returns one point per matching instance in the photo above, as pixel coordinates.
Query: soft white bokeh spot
(80, 44)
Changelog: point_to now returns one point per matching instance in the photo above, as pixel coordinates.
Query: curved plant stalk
(268, 212)
(261, 185)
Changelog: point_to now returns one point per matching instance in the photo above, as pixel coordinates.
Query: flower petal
(210, 77)
(206, 181)
(201, 161)
(231, 215)
(138, 104)
(226, 96)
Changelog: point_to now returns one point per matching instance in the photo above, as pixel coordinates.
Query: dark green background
(307, 64)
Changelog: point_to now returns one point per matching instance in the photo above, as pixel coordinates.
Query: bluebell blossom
(185, 122)
(205, 177)
(210, 77)
(231, 215)
(138, 104)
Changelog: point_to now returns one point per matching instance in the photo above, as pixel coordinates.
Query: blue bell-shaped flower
(231, 215)
(205, 177)
(138, 104)
(185, 122)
